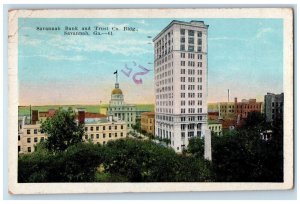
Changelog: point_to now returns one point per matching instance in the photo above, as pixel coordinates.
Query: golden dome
(117, 91)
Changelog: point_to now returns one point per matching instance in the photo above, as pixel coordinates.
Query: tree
(77, 163)
(145, 161)
(62, 130)
(257, 121)
(243, 156)
(196, 146)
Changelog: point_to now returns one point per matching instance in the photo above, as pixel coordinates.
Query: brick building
(148, 122)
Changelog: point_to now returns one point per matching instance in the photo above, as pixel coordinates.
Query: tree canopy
(62, 130)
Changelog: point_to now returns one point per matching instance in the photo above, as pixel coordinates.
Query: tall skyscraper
(180, 54)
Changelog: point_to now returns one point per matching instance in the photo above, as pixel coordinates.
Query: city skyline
(245, 56)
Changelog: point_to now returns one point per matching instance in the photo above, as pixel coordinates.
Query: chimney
(235, 105)
(35, 116)
(81, 116)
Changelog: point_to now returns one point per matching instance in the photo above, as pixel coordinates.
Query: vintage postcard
(150, 100)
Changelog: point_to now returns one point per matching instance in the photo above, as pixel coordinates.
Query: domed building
(119, 109)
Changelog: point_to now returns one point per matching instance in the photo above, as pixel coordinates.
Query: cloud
(143, 22)
(226, 38)
(25, 40)
(261, 32)
(52, 57)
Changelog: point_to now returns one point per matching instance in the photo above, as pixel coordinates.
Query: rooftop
(194, 23)
(148, 113)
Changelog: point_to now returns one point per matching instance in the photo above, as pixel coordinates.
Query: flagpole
(117, 76)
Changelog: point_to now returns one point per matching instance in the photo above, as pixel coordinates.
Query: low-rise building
(215, 126)
(243, 108)
(148, 122)
(274, 106)
(227, 110)
(235, 110)
(99, 129)
(29, 136)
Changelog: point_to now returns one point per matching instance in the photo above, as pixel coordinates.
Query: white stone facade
(181, 82)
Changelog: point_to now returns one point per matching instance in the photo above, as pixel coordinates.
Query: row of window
(191, 118)
(191, 32)
(35, 139)
(215, 128)
(191, 87)
(121, 109)
(164, 74)
(191, 110)
(191, 40)
(190, 134)
(164, 110)
(97, 136)
(165, 96)
(35, 131)
(190, 48)
(190, 64)
(190, 55)
(277, 104)
(164, 103)
(164, 59)
(97, 128)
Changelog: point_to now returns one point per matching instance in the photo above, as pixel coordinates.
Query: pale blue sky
(244, 55)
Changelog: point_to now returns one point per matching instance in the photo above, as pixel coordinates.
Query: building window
(103, 135)
(19, 148)
(19, 138)
(109, 135)
(199, 34)
(199, 49)
(116, 127)
(29, 149)
(109, 127)
(116, 134)
(97, 136)
(28, 140)
(86, 137)
(86, 129)
(121, 134)
(35, 131)
(182, 31)
(182, 40)
(121, 127)
(35, 139)
(191, 48)
(92, 128)
(191, 33)
(42, 139)
(92, 136)
(103, 127)
(199, 42)
(191, 40)
(182, 55)
(28, 132)
(97, 128)
(104, 142)
(182, 47)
